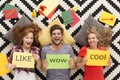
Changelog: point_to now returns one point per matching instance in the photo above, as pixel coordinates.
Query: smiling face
(57, 36)
(28, 40)
(92, 40)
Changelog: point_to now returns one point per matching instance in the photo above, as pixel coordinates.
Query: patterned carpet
(85, 7)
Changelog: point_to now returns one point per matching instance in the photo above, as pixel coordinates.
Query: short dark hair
(54, 27)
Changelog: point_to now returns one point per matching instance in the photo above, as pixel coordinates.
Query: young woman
(25, 38)
(96, 41)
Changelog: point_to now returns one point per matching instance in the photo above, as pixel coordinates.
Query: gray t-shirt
(57, 74)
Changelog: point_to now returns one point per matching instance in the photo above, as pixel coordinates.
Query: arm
(109, 62)
(72, 60)
(38, 64)
(44, 65)
(72, 63)
(79, 62)
(81, 59)
(11, 66)
(44, 61)
(38, 60)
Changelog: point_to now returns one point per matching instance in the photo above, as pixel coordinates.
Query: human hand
(72, 63)
(109, 62)
(44, 65)
(84, 60)
(36, 57)
(10, 66)
(71, 60)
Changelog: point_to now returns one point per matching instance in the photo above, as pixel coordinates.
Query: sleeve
(72, 55)
(82, 51)
(38, 51)
(102, 48)
(11, 55)
(43, 54)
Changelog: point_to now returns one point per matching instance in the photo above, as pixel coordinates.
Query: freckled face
(92, 40)
(28, 40)
(57, 37)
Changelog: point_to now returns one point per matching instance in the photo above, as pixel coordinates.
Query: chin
(28, 46)
(57, 43)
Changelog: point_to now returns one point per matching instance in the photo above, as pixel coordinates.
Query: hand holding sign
(72, 63)
(20, 58)
(36, 57)
(44, 65)
(58, 61)
(11, 66)
(97, 57)
(109, 62)
(84, 60)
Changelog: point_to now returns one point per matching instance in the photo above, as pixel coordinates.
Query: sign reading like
(23, 60)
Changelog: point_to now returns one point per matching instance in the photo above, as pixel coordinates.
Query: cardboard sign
(47, 8)
(11, 13)
(3, 63)
(58, 61)
(74, 17)
(9, 6)
(107, 18)
(97, 57)
(23, 60)
(67, 17)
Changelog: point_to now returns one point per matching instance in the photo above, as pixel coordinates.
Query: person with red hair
(26, 43)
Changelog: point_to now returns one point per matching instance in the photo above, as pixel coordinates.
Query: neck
(26, 49)
(56, 47)
(93, 47)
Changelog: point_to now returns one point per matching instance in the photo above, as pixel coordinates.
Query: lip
(29, 44)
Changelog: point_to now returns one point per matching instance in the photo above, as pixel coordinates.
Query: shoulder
(82, 51)
(67, 46)
(84, 48)
(35, 48)
(17, 47)
(102, 48)
(47, 47)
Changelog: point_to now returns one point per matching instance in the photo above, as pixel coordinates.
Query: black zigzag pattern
(85, 7)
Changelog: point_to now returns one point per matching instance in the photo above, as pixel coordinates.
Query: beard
(57, 43)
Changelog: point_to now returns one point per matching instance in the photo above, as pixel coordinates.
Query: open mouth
(56, 39)
(28, 43)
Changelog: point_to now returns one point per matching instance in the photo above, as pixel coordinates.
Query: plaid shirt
(18, 48)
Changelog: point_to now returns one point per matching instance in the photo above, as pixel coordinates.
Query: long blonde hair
(104, 35)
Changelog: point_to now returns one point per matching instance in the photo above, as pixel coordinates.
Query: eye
(31, 38)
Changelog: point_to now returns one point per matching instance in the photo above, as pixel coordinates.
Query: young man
(57, 47)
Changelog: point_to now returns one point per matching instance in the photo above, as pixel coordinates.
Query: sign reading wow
(58, 61)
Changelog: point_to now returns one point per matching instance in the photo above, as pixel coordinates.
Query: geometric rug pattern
(85, 7)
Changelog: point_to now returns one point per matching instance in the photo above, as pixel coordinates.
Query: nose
(30, 39)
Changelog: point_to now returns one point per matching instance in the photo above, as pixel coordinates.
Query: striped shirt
(18, 48)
